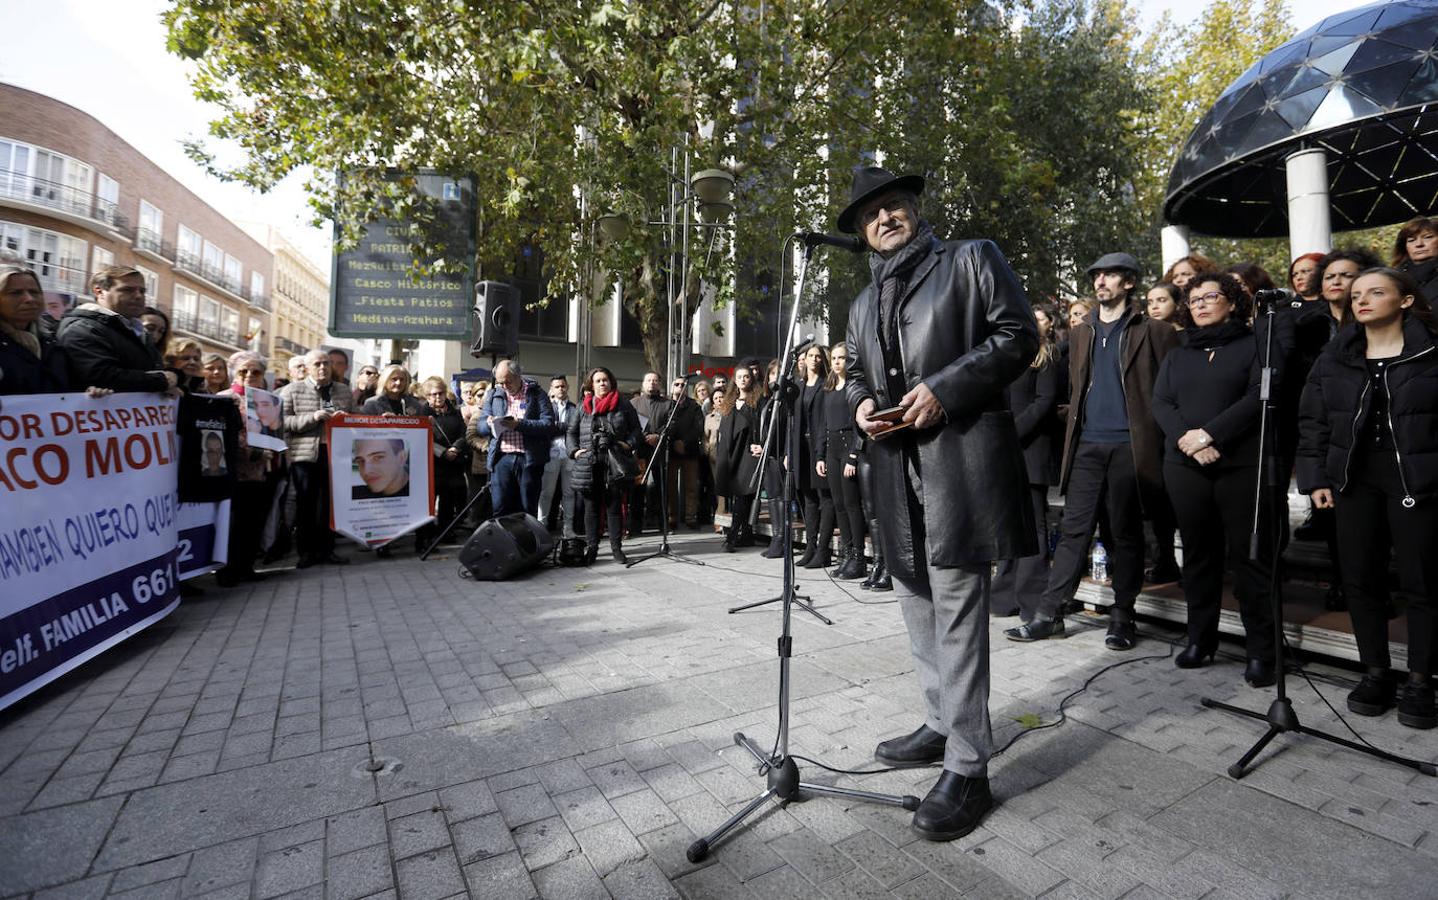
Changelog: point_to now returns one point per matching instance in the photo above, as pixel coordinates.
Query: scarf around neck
(598, 406)
(28, 338)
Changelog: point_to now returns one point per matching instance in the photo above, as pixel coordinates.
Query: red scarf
(598, 406)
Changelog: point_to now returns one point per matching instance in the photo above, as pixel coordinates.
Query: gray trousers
(556, 481)
(947, 614)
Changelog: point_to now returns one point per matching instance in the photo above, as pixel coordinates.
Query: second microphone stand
(661, 455)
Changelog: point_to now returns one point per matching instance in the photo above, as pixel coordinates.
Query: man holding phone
(941, 331)
(520, 420)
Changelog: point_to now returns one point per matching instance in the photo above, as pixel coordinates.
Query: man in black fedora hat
(941, 331)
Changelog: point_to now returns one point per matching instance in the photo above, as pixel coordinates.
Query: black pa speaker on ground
(496, 311)
(504, 547)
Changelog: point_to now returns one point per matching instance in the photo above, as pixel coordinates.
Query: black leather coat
(966, 330)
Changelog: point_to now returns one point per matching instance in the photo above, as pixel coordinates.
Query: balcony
(21, 191)
(149, 243)
(192, 264)
(62, 279)
(188, 321)
(290, 346)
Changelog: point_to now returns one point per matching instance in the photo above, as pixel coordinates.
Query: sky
(108, 58)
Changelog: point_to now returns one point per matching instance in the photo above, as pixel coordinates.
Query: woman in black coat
(1368, 449)
(601, 442)
(1033, 397)
(738, 456)
(1415, 251)
(451, 451)
(1206, 401)
(30, 360)
(811, 489)
(837, 453)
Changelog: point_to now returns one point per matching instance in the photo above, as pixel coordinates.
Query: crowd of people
(1142, 407)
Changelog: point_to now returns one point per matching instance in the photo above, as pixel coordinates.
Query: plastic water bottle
(1100, 563)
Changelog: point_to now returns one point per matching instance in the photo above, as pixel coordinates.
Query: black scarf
(891, 278)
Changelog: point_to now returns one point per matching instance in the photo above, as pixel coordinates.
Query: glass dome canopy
(1363, 86)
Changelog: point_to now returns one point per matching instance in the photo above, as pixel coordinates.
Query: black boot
(853, 567)
(618, 553)
(776, 525)
(954, 807)
(1416, 707)
(882, 582)
(591, 552)
(920, 747)
(821, 557)
(810, 547)
(729, 537)
(845, 554)
(746, 536)
(1259, 673)
(1375, 693)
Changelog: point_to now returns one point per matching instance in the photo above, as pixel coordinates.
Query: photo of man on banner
(381, 476)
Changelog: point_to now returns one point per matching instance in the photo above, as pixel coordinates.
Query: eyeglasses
(1201, 299)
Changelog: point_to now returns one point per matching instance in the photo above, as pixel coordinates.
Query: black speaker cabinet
(504, 547)
(496, 312)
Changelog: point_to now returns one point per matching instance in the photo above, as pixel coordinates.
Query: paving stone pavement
(391, 730)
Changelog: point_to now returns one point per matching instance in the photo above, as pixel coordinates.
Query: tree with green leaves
(564, 110)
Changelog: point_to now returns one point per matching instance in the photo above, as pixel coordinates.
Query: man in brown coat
(1113, 449)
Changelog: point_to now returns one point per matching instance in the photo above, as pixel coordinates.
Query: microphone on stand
(842, 241)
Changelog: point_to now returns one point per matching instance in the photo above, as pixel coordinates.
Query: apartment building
(75, 197)
(301, 304)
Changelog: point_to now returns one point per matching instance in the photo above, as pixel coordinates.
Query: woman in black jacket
(1368, 449)
(810, 487)
(738, 456)
(451, 451)
(30, 360)
(1033, 397)
(394, 398)
(1206, 401)
(601, 442)
(837, 453)
(1415, 251)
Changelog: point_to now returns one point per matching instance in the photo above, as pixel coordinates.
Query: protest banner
(88, 536)
(203, 538)
(381, 476)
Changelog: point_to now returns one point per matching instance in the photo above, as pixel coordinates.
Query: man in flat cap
(941, 331)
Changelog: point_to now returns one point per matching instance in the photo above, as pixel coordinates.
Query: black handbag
(622, 467)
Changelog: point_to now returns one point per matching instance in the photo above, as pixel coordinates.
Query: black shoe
(854, 568)
(591, 553)
(954, 807)
(1194, 656)
(746, 537)
(775, 550)
(1037, 630)
(1374, 695)
(1310, 530)
(618, 553)
(820, 559)
(335, 559)
(1004, 613)
(304, 563)
(1164, 573)
(1121, 636)
(1259, 673)
(729, 541)
(809, 550)
(917, 748)
(1415, 708)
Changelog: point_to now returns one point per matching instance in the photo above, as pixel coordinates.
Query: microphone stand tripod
(1281, 716)
(782, 773)
(663, 480)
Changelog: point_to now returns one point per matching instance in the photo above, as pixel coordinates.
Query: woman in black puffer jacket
(607, 424)
(1368, 448)
(1206, 401)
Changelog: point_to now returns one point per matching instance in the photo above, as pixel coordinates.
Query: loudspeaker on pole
(496, 312)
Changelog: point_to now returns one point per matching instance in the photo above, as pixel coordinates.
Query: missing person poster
(263, 427)
(381, 476)
(88, 539)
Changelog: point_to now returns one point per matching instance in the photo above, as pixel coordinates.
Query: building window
(101, 258)
(152, 227)
(107, 199)
(187, 249)
(58, 259)
(152, 285)
(254, 335)
(209, 315)
(186, 311)
(229, 326)
(257, 288)
(214, 263)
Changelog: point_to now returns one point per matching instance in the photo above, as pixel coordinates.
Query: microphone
(842, 241)
(804, 344)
